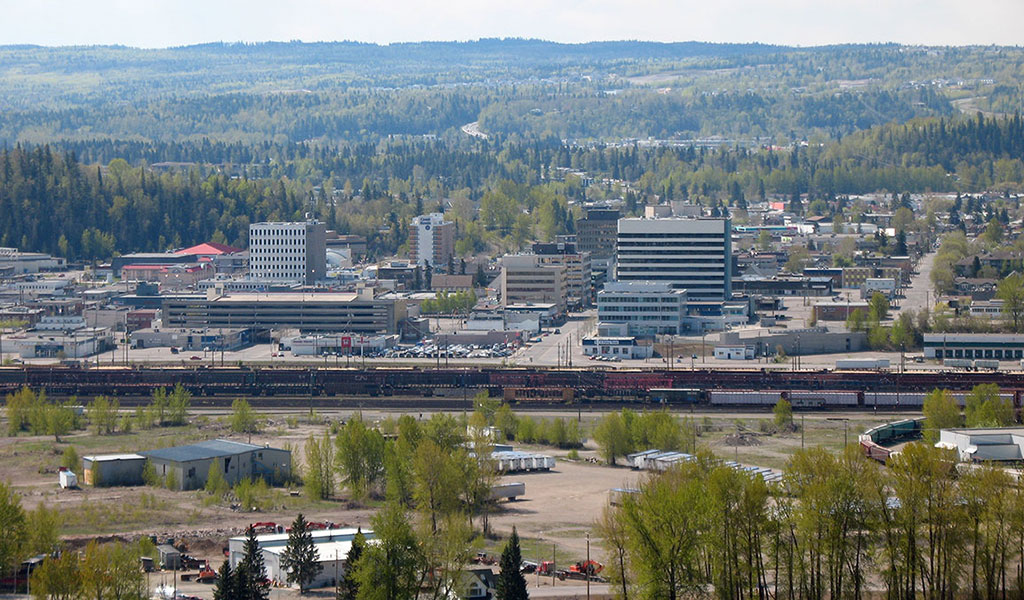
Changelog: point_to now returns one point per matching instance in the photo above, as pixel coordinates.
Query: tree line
(838, 525)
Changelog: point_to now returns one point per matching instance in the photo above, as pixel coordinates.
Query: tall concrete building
(577, 269)
(596, 232)
(524, 279)
(431, 240)
(690, 254)
(288, 251)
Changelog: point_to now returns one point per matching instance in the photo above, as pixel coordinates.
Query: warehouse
(188, 466)
(974, 345)
(999, 444)
(113, 469)
(332, 546)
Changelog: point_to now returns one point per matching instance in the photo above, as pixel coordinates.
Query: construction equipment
(482, 558)
(206, 574)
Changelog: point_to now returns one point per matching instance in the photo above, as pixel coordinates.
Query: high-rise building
(577, 269)
(596, 232)
(288, 251)
(648, 308)
(431, 240)
(690, 254)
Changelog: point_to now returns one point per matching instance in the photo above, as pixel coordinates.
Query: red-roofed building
(209, 249)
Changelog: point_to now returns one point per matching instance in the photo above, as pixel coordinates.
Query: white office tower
(431, 240)
(280, 252)
(690, 254)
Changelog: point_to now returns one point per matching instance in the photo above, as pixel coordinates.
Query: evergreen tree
(252, 579)
(300, 557)
(225, 588)
(511, 583)
(348, 587)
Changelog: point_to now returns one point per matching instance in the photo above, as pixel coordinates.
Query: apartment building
(690, 254)
(281, 251)
(431, 240)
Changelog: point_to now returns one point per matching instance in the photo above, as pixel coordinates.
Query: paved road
(920, 293)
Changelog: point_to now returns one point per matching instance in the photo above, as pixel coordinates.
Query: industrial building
(351, 312)
(431, 240)
(192, 339)
(974, 345)
(189, 465)
(690, 254)
(288, 251)
(113, 469)
(999, 444)
(332, 547)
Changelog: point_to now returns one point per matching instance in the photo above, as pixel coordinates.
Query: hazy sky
(160, 23)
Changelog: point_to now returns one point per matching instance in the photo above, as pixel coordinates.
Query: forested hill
(52, 202)
(515, 89)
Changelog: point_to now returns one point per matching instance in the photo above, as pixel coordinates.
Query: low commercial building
(812, 340)
(332, 546)
(621, 347)
(648, 308)
(20, 263)
(351, 312)
(990, 444)
(838, 311)
(192, 339)
(189, 466)
(991, 310)
(533, 316)
(152, 259)
(339, 343)
(784, 286)
(888, 287)
(77, 343)
(113, 469)
(734, 352)
(716, 316)
(974, 345)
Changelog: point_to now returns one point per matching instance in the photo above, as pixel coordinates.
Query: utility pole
(587, 570)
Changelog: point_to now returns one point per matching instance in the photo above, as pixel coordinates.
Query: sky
(162, 23)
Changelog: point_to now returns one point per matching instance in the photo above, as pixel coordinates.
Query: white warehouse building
(332, 546)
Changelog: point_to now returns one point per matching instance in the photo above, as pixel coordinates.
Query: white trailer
(508, 491)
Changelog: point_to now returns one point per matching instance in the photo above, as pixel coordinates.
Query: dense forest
(499, 193)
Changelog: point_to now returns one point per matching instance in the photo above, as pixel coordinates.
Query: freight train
(803, 389)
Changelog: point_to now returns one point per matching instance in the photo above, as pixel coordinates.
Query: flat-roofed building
(577, 269)
(984, 444)
(525, 279)
(648, 308)
(288, 251)
(188, 466)
(974, 345)
(690, 254)
(351, 312)
(431, 240)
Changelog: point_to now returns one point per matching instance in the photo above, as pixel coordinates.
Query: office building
(526, 280)
(288, 251)
(352, 312)
(690, 254)
(648, 308)
(577, 269)
(431, 240)
(596, 232)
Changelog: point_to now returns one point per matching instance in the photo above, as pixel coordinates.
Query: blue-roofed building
(190, 465)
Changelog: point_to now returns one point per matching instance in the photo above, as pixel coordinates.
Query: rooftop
(200, 451)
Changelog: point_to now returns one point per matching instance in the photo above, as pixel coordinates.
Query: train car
(685, 396)
(825, 399)
(743, 398)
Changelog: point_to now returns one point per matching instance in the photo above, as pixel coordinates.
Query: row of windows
(676, 234)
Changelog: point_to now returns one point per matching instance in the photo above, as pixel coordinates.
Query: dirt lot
(554, 516)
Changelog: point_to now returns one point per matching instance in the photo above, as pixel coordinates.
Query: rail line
(754, 387)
